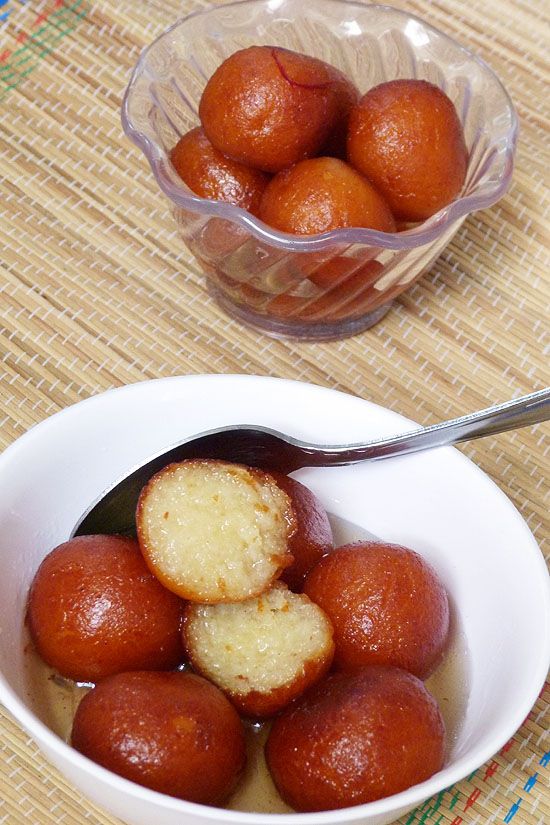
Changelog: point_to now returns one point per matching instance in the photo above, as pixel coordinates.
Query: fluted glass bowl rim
(425, 233)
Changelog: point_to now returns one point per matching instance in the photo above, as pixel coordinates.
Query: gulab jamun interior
(213, 532)
(263, 652)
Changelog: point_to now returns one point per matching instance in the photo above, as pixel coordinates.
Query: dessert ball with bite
(213, 532)
(270, 107)
(95, 609)
(406, 137)
(263, 652)
(211, 175)
(313, 537)
(320, 194)
(387, 605)
(172, 732)
(355, 738)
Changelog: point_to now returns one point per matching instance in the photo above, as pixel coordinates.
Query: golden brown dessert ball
(313, 537)
(172, 732)
(213, 532)
(348, 292)
(350, 297)
(347, 96)
(352, 294)
(263, 652)
(354, 738)
(269, 107)
(339, 270)
(94, 609)
(387, 605)
(320, 194)
(406, 137)
(211, 175)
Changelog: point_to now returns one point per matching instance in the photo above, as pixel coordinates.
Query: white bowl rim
(463, 767)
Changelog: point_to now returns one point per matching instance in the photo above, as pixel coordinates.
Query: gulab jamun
(95, 609)
(387, 605)
(351, 298)
(263, 652)
(211, 175)
(355, 738)
(338, 271)
(406, 137)
(270, 107)
(347, 96)
(313, 537)
(320, 194)
(172, 732)
(348, 292)
(212, 531)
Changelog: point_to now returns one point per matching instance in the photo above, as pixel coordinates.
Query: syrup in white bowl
(55, 699)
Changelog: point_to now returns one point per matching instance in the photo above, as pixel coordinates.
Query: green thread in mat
(24, 60)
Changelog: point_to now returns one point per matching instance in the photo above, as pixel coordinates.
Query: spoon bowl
(114, 511)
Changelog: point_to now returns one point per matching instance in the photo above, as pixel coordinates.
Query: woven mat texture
(96, 292)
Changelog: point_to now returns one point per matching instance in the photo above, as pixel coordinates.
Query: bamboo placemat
(96, 292)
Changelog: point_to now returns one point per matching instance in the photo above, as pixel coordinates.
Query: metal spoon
(114, 511)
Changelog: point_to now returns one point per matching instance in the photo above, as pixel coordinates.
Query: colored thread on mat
(54, 25)
(491, 769)
(513, 811)
(476, 793)
(454, 800)
(530, 784)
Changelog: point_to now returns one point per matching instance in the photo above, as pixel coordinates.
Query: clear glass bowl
(258, 274)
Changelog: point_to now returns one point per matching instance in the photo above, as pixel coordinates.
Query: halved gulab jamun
(407, 138)
(387, 605)
(95, 609)
(321, 194)
(263, 652)
(212, 175)
(172, 732)
(355, 738)
(270, 107)
(213, 531)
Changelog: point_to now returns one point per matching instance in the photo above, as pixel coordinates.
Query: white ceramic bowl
(438, 503)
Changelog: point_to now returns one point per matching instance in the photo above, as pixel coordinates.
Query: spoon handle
(512, 415)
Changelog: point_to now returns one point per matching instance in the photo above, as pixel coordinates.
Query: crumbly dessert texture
(214, 531)
(258, 645)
